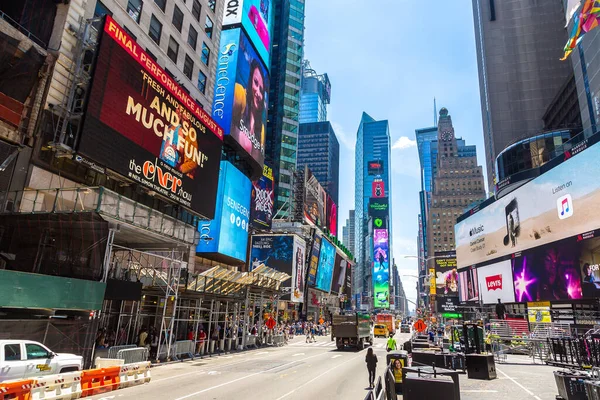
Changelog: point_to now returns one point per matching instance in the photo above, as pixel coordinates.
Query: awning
(228, 280)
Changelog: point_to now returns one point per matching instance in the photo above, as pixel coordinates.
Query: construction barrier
(100, 380)
(108, 362)
(133, 355)
(112, 351)
(182, 348)
(65, 386)
(16, 390)
(134, 374)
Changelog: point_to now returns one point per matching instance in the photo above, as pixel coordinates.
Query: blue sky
(390, 58)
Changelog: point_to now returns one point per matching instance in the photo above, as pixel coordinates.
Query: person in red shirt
(190, 335)
(201, 340)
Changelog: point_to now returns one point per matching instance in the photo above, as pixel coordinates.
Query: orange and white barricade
(64, 386)
(134, 374)
(16, 390)
(100, 380)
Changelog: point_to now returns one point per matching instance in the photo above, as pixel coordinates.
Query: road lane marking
(336, 356)
(479, 391)
(317, 377)
(519, 385)
(298, 354)
(245, 377)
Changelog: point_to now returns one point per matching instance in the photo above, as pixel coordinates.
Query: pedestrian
(500, 309)
(391, 344)
(153, 344)
(201, 341)
(307, 331)
(142, 337)
(371, 360)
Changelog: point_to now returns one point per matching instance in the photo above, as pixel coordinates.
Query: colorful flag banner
(583, 22)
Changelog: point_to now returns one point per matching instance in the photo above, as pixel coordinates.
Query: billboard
(325, 268)
(496, 282)
(240, 97)
(140, 123)
(348, 288)
(227, 233)
(339, 274)
(313, 261)
(558, 204)
(446, 276)
(375, 167)
(331, 217)
(539, 312)
(468, 285)
(378, 207)
(381, 268)
(315, 200)
(256, 16)
(284, 253)
(448, 304)
(378, 189)
(379, 223)
(262, 200)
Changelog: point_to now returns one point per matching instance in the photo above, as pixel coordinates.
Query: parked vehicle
(27, 359)
(405, 328)
(351, 330)
(381, 330)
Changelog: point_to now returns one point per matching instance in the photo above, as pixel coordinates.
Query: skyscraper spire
(434, 113)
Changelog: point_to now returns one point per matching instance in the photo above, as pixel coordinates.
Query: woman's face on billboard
(258, 88)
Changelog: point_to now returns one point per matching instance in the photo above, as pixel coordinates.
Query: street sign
(321, 321)
(420, 326)
(452, 315)
(271, 323)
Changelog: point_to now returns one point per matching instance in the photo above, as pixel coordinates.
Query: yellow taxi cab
(381, 330)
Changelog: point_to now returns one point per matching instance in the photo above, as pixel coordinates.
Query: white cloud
(404, 143)
(344, 138)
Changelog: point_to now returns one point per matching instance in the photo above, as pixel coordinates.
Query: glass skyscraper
(315, 95)
(372, 143)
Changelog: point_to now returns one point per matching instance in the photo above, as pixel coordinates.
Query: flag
(571, 9)
(584, 21)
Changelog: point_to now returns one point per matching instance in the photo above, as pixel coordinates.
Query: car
(381, 330)
(404, 328)
(21, 359)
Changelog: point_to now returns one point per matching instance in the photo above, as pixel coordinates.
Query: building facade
(319, 150)
(284, 99)
(518, 51)
(315, 95)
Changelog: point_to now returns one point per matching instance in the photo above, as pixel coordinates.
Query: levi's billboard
(140, 123)
(496, 282)
(558, 204)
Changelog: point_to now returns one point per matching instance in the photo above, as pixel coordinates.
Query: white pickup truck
(26, 359)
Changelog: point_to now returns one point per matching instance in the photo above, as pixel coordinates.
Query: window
(208, 27)
(196, 9)
(155, 29)
(192, 37)
(173, 49)
(212, 4)
(12, 352)
(177, 18)
(205, 53)
(130, 33)
(492, 10)
(134, 9)
(36, 352)
(201, 81)
(152, 56)
(188, 67)
(101, 10)
(162, 4)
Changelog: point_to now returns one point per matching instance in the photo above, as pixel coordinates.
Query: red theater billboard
(143, 125)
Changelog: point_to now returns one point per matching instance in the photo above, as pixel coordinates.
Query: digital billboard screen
(315, 200)
(241, 95)
(348, 288)
(381, 268)
(446, 276)
(375, 167)
(256, 16)
(140, 123)
(378, 207)
(262, 200)
(331, 218)
(558, 204)
(496, 282)
(313, 261)
(227, 233)
(468, 285)
(339, 274)
(378, 189)
(325, 268)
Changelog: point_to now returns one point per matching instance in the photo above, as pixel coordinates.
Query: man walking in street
(500, 310)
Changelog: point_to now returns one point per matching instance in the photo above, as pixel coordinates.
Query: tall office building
(319, 149)
(351, 233)
(519, 45)
(345, 233)
(284, 99)
(373, 143)
(315, 95)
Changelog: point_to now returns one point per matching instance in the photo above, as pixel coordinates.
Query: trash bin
(571, 385)
(430, 388)
(397, 360)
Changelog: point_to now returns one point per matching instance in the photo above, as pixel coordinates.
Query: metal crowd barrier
(135, 355)
(250, 341)
(278, 340)
(112, 351)
(183, 347)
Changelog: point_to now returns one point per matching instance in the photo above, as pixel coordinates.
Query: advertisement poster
(496, 282)
(227, 234)
(325, 268)
(141, 124)
(348, 290)
(446, 276)
(558, 204)
(332, 221)
(262, 201)
(468, 287)
(299, 270)
(379, 207)
(313, 262)
(314, 200)
(381, 268)
(539, 312)
(378, 189)
(339, 274)
(375, 167)
(448, 304)
(240, 98)
(256, 16)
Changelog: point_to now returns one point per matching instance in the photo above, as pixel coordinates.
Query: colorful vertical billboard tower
(227, 234)
(326, 265)
(381, 268)
(263, 200)
(241, 97)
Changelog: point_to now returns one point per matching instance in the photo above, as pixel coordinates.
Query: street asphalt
(318, 370)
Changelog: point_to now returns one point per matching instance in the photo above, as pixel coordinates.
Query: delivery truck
(351, 330)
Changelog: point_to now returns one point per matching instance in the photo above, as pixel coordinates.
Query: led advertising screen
(256, 16)
(468, 287)
(448, 304)
(381, 268)
(446, 276)
(262, 200)
(315, 200)
(348, 288)
(375, 167)
(496, 282)
(240, 98)
(325, 268)
(378, 207)
(331, 218)
(140, 123)
(339, 274)
(313, 262)
(227, 233)
(558, 204)
(378, 189)
(379, 223)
